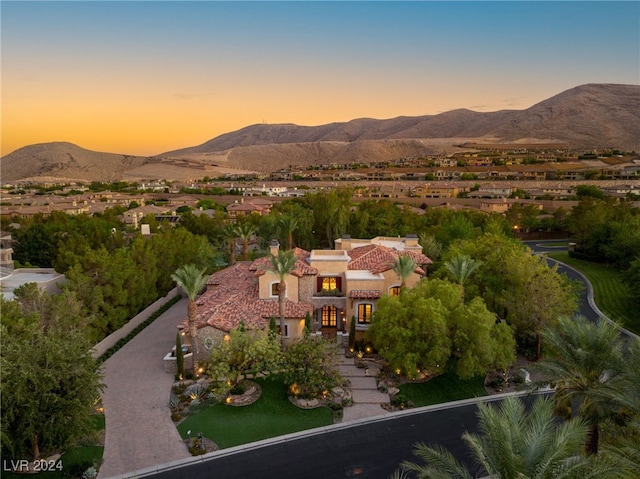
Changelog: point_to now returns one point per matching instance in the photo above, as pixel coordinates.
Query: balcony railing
(329, 293)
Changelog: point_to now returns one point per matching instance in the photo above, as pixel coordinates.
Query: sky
(146, 77)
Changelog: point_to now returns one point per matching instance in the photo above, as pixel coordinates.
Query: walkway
(139, 429)
(364, 390)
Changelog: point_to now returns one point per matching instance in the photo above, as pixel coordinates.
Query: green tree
(245, 231)
(246, 350)
(623, 449)
(191, 280)
(584, 358)
(404, 266)
(49, 384)
(428, 329)
(331, 211)
(591, 191)
(631, 277)
(461, 267)
(311, 366)
(516, 285)
(281, 265)
(514, 444)
(231, 237)
(288, 224)
(174, 248)
(179, 357)
(431, 247)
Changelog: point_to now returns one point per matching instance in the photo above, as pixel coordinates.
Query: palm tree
(288, 225)
(231, 236)
(191, 280)
(244, 231)
(624, 449)
(431, 247)
(404, 266)
(585, 360)
(461, 267)
(514, 444)
(282, 265)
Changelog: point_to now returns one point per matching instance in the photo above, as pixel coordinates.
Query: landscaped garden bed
(271, 415)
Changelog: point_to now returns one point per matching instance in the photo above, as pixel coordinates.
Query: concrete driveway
(139, 430)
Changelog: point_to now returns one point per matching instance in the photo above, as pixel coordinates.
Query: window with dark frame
(364, 313)
(329, 283)
(329, 317)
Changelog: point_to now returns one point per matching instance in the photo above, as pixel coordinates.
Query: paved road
(139, 430)
(587, 306)
(371, 448)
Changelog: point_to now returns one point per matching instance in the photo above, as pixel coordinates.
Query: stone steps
(367, 399)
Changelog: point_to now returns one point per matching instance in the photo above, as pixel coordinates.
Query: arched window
(273, 291)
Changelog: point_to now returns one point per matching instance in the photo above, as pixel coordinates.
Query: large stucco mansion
(333, 286)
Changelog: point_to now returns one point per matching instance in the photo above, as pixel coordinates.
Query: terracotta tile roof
(378, 258)
(232, 297)
(246, 207)
(365, 294)
(302, 266)
(237, 272)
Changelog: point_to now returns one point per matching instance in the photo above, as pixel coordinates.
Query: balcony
(336, 293)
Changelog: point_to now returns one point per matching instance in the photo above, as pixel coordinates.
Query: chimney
(274, 246)
(411, 240)
(344, 242)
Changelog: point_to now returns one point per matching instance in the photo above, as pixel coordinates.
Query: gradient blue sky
(146, 77)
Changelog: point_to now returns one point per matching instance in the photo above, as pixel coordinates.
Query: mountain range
(587, 116)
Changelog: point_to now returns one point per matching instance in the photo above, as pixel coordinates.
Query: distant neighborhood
(490, 188)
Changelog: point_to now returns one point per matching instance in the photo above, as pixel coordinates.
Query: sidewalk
(139, 429)
(364, 390)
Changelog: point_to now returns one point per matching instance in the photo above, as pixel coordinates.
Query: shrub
(174, 403)
(401, 401)
(179, 356)
(238, 389)
(195, 449)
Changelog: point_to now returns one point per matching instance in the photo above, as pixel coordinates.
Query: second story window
(274, 290)
(328, 284)
(394, 291)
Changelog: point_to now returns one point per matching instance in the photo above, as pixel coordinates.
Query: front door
(329, 321)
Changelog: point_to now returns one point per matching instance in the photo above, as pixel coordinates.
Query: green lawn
(270, 416)
(609, 292)
(444, 388)
(555, 244)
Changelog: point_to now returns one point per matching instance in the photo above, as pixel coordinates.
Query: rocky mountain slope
(587, 116)
(51, 161)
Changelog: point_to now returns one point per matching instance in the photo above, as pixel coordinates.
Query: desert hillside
(587, 116)
(65, 160)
